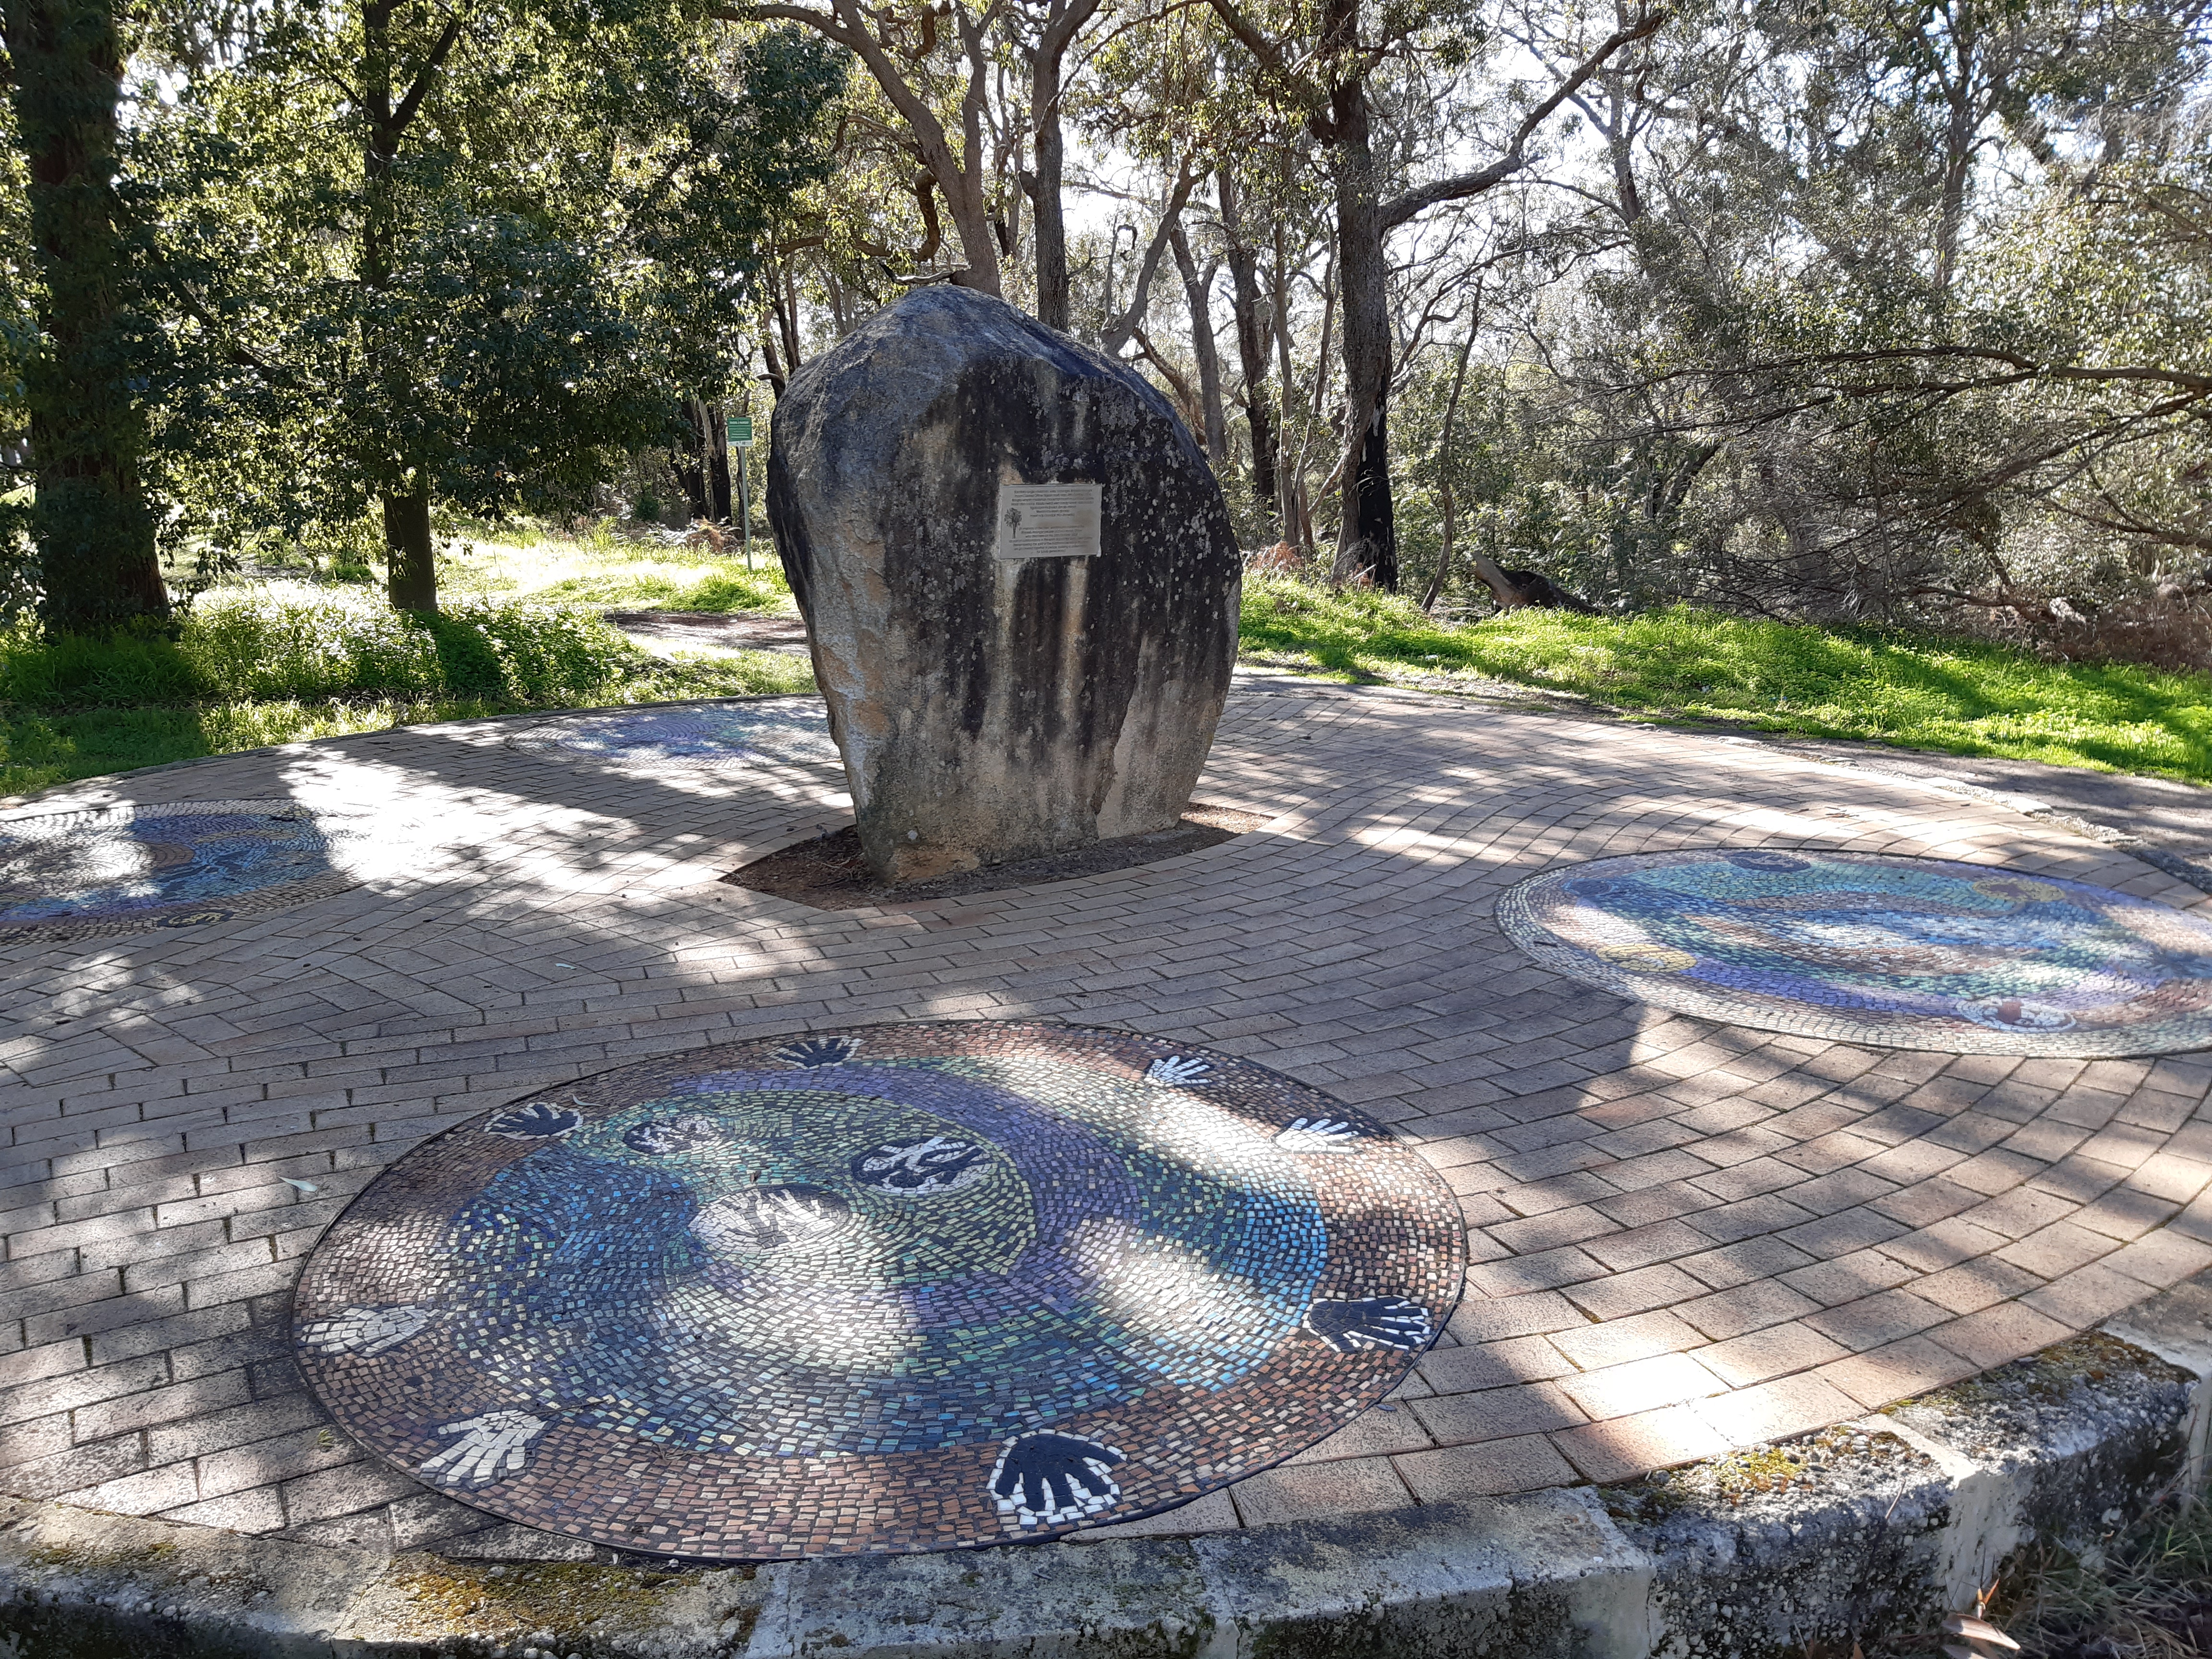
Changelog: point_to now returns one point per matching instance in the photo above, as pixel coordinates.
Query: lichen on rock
(997, 697)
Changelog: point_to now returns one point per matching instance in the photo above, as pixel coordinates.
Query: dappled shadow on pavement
(1686, 1236)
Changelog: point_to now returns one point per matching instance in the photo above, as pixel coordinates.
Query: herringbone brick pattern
(1686, 1236)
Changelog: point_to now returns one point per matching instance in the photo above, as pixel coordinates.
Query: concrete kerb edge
(2068, 1444)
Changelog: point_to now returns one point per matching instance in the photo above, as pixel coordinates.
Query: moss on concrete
(556, 1608)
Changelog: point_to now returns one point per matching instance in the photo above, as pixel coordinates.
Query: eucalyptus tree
(1320, 58)
(938, 66)
(1827, 363)
(468, 258)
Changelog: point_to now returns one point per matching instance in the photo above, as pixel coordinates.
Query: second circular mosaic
(1863, 947)
(688, 737)
(122, 869)
(897, 1288)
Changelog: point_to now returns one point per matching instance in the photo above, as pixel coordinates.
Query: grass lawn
(602, 572)
(1913, 690)
(275, 656)
(278, 656)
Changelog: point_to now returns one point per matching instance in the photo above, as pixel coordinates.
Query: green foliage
(1916, 691)
(495, 291)
(723, 592)
(246, 647)
(248, 669)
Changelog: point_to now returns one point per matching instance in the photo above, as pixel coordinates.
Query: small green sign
(740, 427)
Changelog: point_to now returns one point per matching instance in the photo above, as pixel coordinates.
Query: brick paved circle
(913, 1286)
(1909, 953)
(1685, 1235)
(124, 869)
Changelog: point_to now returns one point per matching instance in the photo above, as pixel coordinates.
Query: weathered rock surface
(993, 707)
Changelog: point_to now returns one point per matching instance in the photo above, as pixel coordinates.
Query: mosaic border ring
(891, 1288)
(792, 731)
(128, 869)
(1868, 947)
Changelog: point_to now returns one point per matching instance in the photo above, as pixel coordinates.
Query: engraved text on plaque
(1048, 521)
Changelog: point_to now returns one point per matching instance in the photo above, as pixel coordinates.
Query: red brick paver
(1686, 1236)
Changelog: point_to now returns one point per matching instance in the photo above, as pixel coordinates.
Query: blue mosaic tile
(905, 1287)
(1860, 947)
(691, 738)
(122, 869)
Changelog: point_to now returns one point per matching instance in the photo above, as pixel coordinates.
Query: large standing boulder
(1011, 670)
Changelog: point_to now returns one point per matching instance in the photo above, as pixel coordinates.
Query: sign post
(739, 430)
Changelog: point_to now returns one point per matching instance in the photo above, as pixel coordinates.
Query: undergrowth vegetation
(2141, 1592)
(280, 660)
(2144, 1595)
(1912, 689)
(250, 667)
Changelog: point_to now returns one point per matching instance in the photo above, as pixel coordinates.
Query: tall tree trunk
(410, 570)
(1120, 330)
(786, 318)
(1297, 520)
(1044, 193)
(94, 534)
(1195, 288)
(1251, 348)
(411, 563)
(1367, 533)
(691, 460)
(771, 363)
(718, 462)
(1444, 473)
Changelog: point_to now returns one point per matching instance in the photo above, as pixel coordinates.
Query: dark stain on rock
(993, 709)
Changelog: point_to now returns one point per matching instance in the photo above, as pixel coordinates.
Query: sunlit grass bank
(252, 666)
(279, 661)
(1964, 697)
(599, 569)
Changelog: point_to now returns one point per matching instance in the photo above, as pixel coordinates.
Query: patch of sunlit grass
(1894, 686)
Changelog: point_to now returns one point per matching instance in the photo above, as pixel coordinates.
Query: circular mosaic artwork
(903, 1287)
(120, 869)
(691, 738)
(1907, 953)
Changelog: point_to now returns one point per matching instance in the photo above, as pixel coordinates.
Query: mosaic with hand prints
(689, 738)
(121, 869)
(1906, 953)
(902, 1287)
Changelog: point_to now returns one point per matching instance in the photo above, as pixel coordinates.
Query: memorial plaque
(1048, 521)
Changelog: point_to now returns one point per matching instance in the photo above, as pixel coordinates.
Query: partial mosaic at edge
(689, 738)
(903, 1287)
(1861, 947)
(125, 869)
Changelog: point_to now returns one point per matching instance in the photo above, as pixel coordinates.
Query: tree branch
(431, 65)
(1397, 212)
(1266, 52)
(1117, 332)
